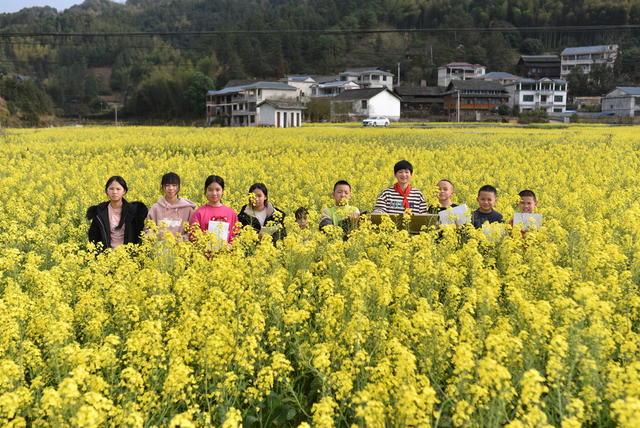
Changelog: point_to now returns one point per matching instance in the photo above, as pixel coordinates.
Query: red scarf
(404, 194)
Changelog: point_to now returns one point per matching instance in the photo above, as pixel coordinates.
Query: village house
(332, 88)
(304, 83)
(584, 57)
(414, 100)
(368, 77)
(255, 104)
(459, 71)
(547, 94)
(362, 103)
(539, 66)
(622, 101)
(473, 99)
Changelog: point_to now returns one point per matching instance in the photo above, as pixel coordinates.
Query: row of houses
(582, 58)
(356, 92)
(465, 91)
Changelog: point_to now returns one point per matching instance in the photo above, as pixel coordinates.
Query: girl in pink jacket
(214, 216)
(171, 212)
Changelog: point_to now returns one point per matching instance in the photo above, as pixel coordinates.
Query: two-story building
(459, 71)
(530, 94)
(622, 101)
(368, 77)
(473, 99)
(539, 66)
(332, 88)
(304, 83)
(246, 105)
(583, 58)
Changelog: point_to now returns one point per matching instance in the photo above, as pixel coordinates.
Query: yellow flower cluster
(446, 328)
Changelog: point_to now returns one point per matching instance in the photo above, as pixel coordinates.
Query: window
(527, 98)
(363, 104)
(259, 93)
(557, 110)
(252, 119)
(558, 98)
(384, 78)
(375, 77)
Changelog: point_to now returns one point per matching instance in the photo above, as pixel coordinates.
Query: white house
(531, 94)
(368, 77)
(622, 101)
(331, 89)
(368, 102)
(236, 105)
(459, 71)
(584, 57)
(279, 114)
(304, 83)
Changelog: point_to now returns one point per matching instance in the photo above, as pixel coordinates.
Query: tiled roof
(631, 90)
(359, 94)
(284, 104)
(256, 85)
(497, 75)
(585, 50)
(336, 84)
(431, 91)
(474, 84)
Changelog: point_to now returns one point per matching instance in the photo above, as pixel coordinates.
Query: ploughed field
(446, 328)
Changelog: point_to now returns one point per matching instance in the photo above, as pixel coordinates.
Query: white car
(376, 121)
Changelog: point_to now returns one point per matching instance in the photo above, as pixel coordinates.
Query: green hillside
(157, 75)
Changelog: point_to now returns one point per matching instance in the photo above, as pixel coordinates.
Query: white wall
(278, 94)
(619, 103)
(267, 116)
(384, 104)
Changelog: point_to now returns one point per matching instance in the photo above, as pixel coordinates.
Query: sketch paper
(457, 215)
(527, 220)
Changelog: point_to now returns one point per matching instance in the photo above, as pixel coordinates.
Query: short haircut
(403, 164)
(341, 183)
(170, 178)
(448, 181)
(301, 213)
(261, 187)
(488, 188)
(213, 179)
(528, 193)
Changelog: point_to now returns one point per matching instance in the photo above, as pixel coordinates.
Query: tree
(531, 46)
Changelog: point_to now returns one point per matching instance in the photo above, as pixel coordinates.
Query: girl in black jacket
(261, 214)
(116, 222)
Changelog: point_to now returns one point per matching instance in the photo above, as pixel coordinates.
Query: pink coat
(207, 213)
(171, 217)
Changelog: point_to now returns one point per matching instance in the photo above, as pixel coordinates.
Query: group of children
(119, 222)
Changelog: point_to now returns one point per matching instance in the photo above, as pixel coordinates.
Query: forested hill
(154, 75)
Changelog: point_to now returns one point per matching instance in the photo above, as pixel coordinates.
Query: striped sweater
(390, 202)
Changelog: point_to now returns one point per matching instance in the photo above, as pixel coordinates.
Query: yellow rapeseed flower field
(450, 328)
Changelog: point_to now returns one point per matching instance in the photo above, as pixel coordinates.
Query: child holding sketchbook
(527, 216)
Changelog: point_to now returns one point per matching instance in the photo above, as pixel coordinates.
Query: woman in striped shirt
(401, 196)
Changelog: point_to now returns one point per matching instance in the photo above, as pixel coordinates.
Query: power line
(566, 28)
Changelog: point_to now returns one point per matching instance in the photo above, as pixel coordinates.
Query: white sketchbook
(458, 215)
(220, 229)
(527, 220)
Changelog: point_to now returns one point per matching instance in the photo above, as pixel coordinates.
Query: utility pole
(458, 105)
(398, 84)
(116, 110)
